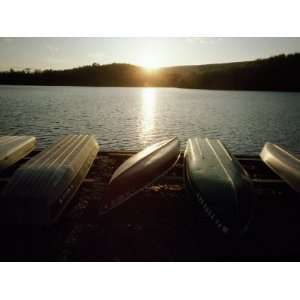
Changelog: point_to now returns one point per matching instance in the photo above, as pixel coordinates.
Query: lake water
(131, 118)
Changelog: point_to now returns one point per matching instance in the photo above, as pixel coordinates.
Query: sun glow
(149, 63)
(150, 67)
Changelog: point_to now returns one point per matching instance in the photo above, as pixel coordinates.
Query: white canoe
(283, 163)
(40, 189)
(139, 171)
(14, 148)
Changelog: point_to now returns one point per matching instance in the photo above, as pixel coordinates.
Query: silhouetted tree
(275, 73)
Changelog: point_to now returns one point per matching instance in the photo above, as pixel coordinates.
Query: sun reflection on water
(148, 110)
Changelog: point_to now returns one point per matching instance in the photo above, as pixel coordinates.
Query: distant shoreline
(278, 73)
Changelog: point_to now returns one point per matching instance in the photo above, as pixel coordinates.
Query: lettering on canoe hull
(212, 215)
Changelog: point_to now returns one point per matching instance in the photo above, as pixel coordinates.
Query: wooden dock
(159, 224)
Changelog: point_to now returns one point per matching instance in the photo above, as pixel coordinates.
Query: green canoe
(219, 183)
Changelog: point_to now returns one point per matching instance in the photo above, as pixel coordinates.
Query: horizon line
(144, 67)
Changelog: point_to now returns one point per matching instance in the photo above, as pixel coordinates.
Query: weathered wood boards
(40, 189)
(14, 148)
(219, 183)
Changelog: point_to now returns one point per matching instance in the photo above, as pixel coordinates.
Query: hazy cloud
(203, 40)
(52, 48)
(6, 40)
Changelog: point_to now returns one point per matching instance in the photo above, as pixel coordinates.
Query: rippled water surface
(130, 118)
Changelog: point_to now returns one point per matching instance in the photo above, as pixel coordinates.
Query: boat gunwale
(106, 205)
(167, 142)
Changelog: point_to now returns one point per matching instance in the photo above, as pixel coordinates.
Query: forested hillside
(278, 73)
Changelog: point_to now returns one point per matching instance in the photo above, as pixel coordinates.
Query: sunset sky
(62, 53)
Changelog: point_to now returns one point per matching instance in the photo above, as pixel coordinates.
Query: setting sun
(149, 62)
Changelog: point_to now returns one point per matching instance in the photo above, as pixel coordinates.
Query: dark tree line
(94, 75)
(275, 73)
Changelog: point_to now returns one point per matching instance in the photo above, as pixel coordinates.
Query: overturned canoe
(40, 189)
(283, 163)
(139, 171)
(221, 185)
(14, 148)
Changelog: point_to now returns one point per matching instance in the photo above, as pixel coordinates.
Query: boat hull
(41, 189)
(283, 163)
(220, 184)
(14, 148)
(139, 171)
